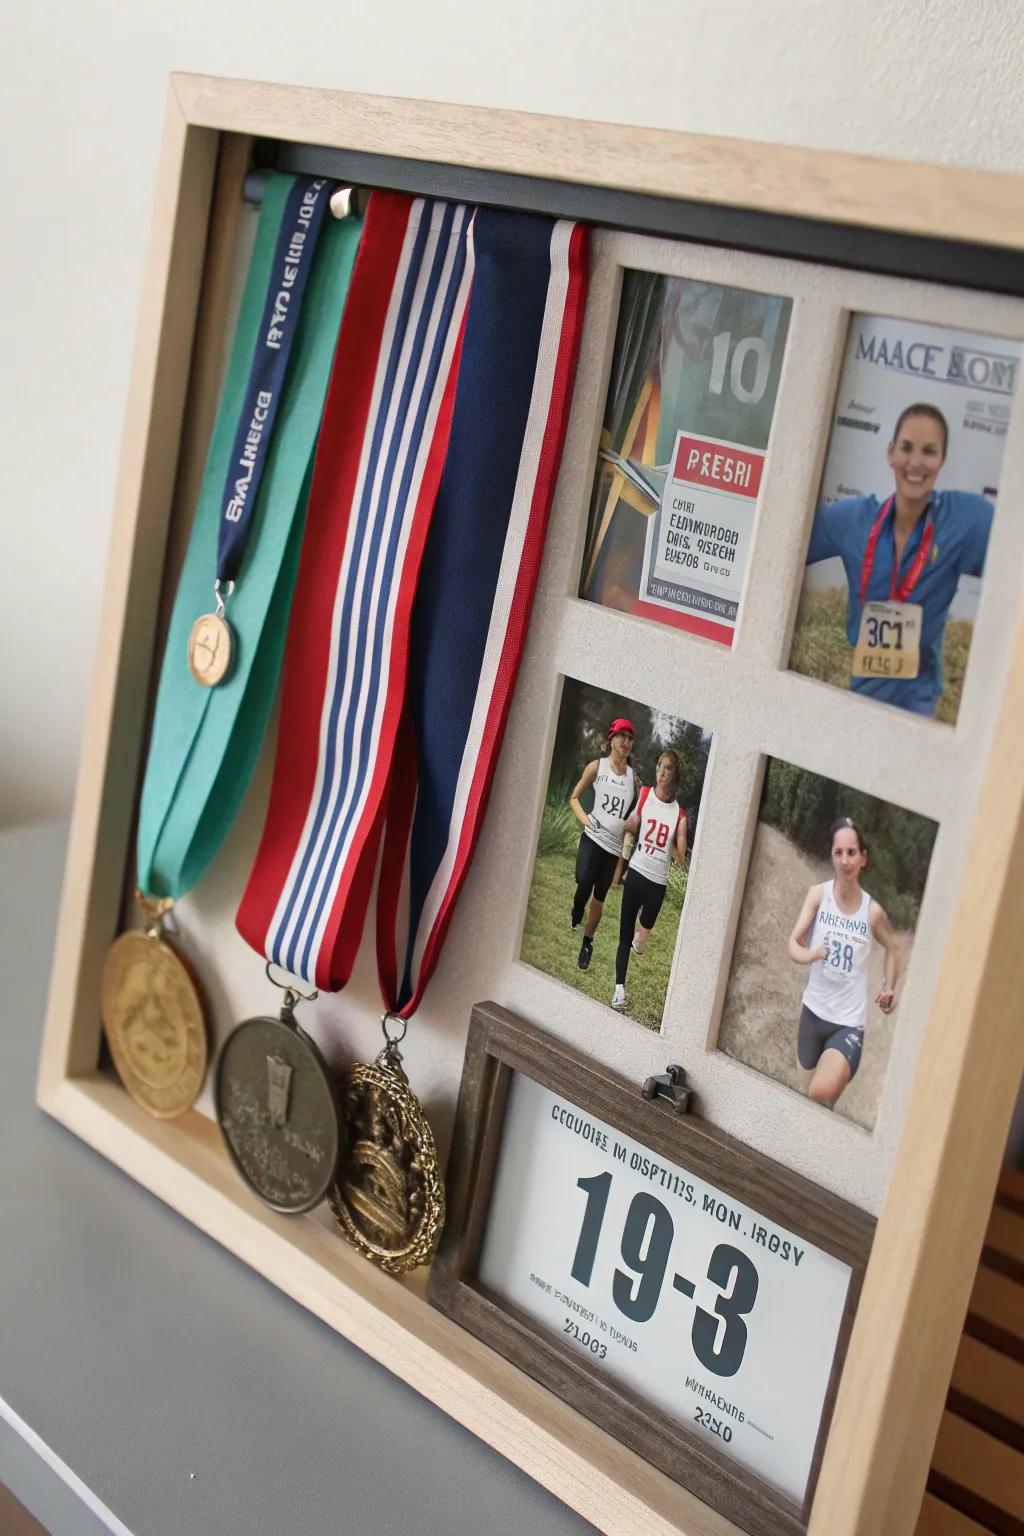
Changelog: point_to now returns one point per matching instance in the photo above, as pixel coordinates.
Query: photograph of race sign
(901, 534)
(694, 378)
(691, 1296)
(831, 905)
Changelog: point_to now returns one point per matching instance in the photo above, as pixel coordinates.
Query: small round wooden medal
(388, 1198)
(211, 643)
(278, 1110)
(209, 650)
(153, 1018)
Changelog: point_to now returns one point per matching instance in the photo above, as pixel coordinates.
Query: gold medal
(153, 1018)
(388, 1197)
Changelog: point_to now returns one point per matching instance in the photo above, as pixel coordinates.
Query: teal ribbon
(205, 741)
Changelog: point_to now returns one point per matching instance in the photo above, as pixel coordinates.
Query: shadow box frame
(875, 215)
(500, 1046)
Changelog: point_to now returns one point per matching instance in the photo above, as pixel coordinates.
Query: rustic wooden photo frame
(943, 225)
(500, 1046)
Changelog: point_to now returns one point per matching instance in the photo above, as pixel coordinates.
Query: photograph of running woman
(833, 937)
(615, 789)
(658, 830)
(612, 856)
(901, 534)
(826, 931)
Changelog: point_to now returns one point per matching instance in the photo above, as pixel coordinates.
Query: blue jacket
(962, 523)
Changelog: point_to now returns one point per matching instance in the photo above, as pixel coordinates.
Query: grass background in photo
(549, 944)
(821, 650)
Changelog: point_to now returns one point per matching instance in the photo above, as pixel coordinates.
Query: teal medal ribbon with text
(205, 741)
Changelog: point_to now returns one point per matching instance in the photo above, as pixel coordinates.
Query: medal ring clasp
(222, 590)
(154, 911)
(395, 1018)
(292, 994)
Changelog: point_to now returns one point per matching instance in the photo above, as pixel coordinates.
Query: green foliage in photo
(804, 806)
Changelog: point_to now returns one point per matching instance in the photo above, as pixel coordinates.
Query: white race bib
(889, 643)
(841, 957)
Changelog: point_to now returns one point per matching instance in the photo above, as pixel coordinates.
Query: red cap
(621, 725)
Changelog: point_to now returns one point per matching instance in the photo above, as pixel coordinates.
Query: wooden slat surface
(998, 1301)
(981, 1465)
(1011, 1187)
(993, 1380)
(977, 1476)
(1006, 1233)
(938, 1519)
(15, 1519)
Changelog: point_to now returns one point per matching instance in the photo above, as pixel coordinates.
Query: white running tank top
(837, 988)
(613, 797)
(656, 837)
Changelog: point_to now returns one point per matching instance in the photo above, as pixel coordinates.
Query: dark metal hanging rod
(931, 259)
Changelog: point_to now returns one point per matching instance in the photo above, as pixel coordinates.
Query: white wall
(80, 112)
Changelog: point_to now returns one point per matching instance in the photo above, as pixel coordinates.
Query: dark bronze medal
(388, 1198)
(278, 1110)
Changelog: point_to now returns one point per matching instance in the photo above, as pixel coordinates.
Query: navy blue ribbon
(293, 257)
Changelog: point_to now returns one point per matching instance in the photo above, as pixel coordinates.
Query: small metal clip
(391, 1056)
(222, 590)
(397, 1017)
(292, 995)
(670, 1085)
(154, 910)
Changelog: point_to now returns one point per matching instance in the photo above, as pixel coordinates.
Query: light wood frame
(932, 1225)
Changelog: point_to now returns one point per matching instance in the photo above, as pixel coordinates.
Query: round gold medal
(388, 1197)
(210, 646)
(154, 1024)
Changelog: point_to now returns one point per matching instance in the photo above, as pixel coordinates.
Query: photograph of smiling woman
(903, 555)
(893, 582)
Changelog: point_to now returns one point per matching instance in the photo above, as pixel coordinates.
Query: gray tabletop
(149, 1382)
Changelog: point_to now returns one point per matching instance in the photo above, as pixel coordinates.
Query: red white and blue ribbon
(438, 455)
(478, 578)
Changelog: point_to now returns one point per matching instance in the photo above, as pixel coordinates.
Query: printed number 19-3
(646, 1241)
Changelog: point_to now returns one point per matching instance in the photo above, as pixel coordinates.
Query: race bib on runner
(840, 957)
(889, 643)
